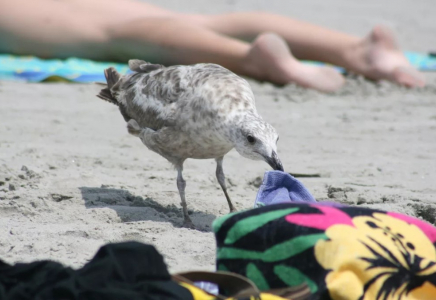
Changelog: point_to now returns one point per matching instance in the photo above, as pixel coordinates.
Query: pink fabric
(429, 230)
(333, 216)
(323, 221)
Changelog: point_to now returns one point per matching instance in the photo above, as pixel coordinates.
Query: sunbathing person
(124, 29)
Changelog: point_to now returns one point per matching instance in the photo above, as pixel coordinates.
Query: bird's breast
(205, 143)
(197, 143)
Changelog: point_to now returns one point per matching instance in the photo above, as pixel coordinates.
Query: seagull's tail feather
(133, 127)
(112, 78)
(142, 66)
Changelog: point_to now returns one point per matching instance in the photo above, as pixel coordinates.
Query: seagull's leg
(222, 181)
(181, 185)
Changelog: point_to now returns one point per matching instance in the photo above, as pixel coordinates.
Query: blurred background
(413, 22)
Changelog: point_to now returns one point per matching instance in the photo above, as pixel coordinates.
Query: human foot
(377, 56)
(270, 59)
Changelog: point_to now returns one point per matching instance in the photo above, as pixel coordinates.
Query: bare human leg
(48, 28)
(279, 65)
(126, 29)
(173, 40)
(376, 56)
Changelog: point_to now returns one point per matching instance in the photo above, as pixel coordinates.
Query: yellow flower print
(380, 257)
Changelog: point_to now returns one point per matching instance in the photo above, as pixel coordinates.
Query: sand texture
(73, 179)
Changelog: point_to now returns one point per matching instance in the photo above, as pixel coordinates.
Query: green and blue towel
(33, 69)
(340, 252)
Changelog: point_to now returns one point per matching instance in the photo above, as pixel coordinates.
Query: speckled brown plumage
(200, 111)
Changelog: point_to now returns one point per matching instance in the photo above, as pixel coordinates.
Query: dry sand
(73, 179)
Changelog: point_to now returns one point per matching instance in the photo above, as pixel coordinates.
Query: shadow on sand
(131, 208)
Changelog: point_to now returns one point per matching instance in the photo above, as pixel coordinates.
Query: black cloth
(130, 271)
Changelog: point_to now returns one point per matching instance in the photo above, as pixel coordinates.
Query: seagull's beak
(274, 162)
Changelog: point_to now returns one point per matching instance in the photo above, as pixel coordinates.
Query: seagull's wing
(186, 97)
(150, 95)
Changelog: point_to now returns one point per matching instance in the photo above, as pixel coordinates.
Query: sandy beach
(73, 179)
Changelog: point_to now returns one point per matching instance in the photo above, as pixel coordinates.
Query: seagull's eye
(251, 139)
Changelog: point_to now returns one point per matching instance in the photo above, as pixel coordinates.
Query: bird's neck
(237, 125)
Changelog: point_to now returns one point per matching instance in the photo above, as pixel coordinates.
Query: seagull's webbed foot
(181, 185)
(187, 223)
(222, 181)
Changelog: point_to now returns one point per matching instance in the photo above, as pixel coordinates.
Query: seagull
(197, 111)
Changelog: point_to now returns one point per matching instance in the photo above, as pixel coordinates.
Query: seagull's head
(255, 139)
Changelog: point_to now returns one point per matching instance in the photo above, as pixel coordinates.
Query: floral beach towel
(340, 252)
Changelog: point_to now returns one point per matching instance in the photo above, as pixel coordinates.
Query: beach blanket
(279, 187)
(127, 270)
(341, 252)
(32, 69)
(236, 286)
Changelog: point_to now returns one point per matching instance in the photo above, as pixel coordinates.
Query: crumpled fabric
(280, 187)
(128, 270)
(340, 252)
